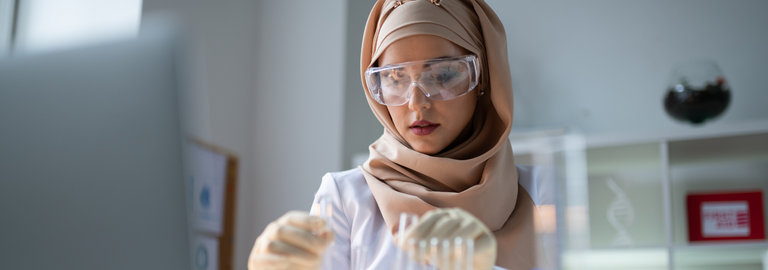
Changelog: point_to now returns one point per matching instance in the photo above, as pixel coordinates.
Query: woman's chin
(424, 147)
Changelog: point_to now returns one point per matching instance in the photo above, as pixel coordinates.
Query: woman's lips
(423, 127)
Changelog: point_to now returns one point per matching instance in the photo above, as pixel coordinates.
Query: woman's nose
(418, 99)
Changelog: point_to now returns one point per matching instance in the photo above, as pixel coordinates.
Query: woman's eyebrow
(425, 65)
(441, 57)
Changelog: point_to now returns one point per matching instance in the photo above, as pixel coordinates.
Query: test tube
(434, 248)
(411, 265)
(470, 254)
(458, 253)
(422, 253)
(446, 259)
(406, 220)
(402, 260)
(322, 208)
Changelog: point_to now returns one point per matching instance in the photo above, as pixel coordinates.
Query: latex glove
(296, 240)
(449, 224)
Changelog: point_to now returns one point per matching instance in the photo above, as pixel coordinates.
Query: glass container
(697, 92)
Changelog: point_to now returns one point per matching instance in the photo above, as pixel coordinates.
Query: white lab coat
(357, 219)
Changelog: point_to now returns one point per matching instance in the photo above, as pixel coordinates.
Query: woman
(437, 77)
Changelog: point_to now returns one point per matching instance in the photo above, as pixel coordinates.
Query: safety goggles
(438, 79)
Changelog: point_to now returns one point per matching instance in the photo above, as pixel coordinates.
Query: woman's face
(429, 126)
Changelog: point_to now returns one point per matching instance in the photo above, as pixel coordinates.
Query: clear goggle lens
(438, 79)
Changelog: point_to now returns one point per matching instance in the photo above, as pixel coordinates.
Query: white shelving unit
(636, 186)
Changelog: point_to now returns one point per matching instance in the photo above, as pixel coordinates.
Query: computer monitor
(91, 160)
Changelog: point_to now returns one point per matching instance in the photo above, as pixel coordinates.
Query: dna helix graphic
(620, 215)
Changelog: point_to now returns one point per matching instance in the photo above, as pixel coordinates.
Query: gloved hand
(449, 224)
(296, 240)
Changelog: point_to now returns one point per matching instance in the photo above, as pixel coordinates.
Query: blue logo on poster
(205, 197)
(201, 258)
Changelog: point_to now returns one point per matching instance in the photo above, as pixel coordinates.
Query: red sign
(726, 216)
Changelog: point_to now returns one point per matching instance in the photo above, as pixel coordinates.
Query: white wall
(6, 16)
(269, 88)
(298, 102)
(603, 65)
(361, 127)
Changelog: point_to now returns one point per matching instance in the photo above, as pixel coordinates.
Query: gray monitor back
(90, 160)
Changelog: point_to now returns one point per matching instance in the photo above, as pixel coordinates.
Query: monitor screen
(90, 159)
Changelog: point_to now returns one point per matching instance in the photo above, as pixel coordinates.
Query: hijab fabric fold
(479, 174)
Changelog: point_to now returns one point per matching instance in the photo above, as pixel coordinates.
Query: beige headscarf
(478, 175)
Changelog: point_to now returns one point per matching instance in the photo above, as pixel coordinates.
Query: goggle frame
(374, 86)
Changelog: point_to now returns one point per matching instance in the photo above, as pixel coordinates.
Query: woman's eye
(393, 79)
(443, 77)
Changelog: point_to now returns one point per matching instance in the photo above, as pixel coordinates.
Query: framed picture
(211, 174)
(726, 216)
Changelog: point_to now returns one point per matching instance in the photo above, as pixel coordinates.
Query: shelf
(721, 256)
(738, 163)
(761, 244)
(625, 196)
(636, 157)
(682, 133)
(713, 150)
(617, 259)
(636, 185)
(740, 256)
